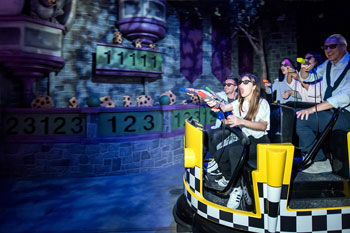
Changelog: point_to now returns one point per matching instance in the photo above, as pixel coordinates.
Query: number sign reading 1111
(113, 57)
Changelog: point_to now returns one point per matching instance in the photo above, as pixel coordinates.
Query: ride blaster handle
(185, 90)
(208, 98)
(215, 95)
(220, 114)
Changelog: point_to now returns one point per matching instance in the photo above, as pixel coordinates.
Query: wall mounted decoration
(191, 51)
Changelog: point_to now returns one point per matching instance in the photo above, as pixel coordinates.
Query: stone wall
(49, 143)
(280, 43)
(80, 42)
(79, 160)
(95, 22)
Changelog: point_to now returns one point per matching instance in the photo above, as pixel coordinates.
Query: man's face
(334, 50)
(230, 86)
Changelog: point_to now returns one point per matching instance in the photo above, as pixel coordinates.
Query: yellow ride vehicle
(283, 199)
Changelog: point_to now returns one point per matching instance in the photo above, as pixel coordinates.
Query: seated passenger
(284, 93)
(228, 95)
(335, 75)
(280, 85)
(251, 113)
(309, 92)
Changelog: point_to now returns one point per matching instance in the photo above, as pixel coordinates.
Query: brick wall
(95, 22)
(78, 160)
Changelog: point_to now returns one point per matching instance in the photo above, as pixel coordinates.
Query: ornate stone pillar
(143, 19)
(31, 39)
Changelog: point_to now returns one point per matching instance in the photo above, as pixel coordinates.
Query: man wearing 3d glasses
(335, 90)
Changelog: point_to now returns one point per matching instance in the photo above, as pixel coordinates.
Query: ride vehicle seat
(338, 142)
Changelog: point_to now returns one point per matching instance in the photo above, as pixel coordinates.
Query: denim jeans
(307, 129)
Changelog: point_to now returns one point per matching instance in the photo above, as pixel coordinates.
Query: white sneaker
(213, 168)
(246, 196)
(212, 165)
(216, 172)
(235, 198)
(319, 167)
(222, 182)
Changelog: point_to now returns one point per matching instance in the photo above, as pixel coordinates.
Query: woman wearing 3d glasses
(251, 113)
(309, 91)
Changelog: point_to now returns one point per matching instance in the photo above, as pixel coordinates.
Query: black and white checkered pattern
(193, 179)
(274, 214)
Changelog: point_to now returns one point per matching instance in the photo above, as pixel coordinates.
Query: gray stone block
(86, 169)
(83, 159)
(61, 162)
(136, 156)
(145, 155)
(29, 159)
(107, 162)
(116, 164)
(160, 163)
(147, 163)
(93, 149)
(131, 166)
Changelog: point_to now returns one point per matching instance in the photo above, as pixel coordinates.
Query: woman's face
(284, 64)
(246, 87)
(309, 57)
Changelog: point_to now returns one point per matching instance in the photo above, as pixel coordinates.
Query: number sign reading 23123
(108, 57)
(45, 125)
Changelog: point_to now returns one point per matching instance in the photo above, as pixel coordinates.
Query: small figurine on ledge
(144, 100)
(73, 102)
(42, 101)
(127, 101)
(138, 43)
(194, 99)
(152, 46)
(107, 102)
(46, 9)
(171, 95)
(118, 38)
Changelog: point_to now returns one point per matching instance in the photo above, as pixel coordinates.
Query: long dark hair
(317, 57)
(254, 101)
(280, 74)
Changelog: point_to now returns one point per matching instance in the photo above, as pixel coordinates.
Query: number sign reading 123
(108, 57)
(45, 124)
(112, 124)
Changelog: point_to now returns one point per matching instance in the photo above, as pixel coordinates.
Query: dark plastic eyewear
(245, 82)
(285, 65)
(229, 84)
(331, 46)
(309, 58)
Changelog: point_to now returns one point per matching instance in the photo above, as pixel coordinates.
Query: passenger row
(326, 85)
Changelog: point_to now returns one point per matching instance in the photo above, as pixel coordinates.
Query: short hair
(233, 78)
(339, 37)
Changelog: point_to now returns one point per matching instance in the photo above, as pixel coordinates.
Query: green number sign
(45, 124)
(203, 115)
(211, 116)
(112, 124)
(108, 57)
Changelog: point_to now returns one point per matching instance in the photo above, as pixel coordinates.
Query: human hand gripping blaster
(214, 99)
